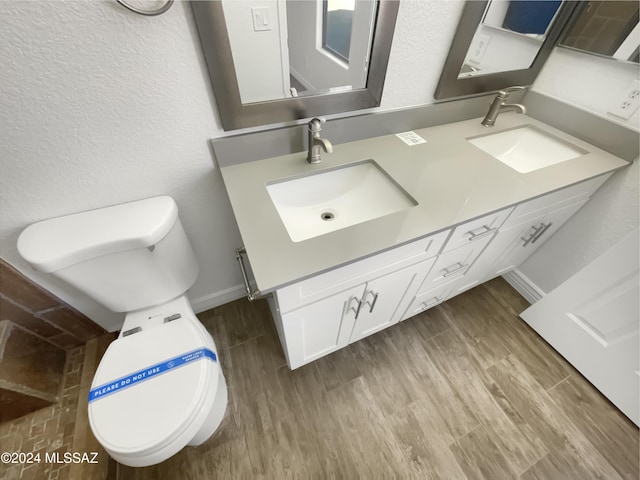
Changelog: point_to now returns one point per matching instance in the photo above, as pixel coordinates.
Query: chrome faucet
(498, 106)
(315, 142)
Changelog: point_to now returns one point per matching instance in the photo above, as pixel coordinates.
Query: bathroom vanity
(422, 220)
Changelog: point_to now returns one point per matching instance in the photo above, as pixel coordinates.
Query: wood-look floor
(465, 390)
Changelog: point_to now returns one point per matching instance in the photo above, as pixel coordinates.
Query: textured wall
(592, 84)
(101, 106)
(611, 214)
(588, 81)
(421, 42)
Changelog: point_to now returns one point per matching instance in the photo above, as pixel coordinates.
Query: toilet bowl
(159, 385)
(158, 390)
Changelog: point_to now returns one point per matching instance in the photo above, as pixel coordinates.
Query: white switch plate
(628, 101)
(479, 47)
(260, 19)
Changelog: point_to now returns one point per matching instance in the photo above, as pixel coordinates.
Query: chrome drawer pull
(456, 270)
(433, 301)
(541, 232)
(486, 231)
(536, 231)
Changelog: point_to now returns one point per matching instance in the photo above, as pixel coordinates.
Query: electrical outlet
(628, 102)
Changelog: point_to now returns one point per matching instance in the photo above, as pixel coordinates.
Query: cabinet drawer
(477, 229)
(339, 279)
(454, 264)
(429, 299)
(555, 200)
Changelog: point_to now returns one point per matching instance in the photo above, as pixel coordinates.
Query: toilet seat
(152, 388)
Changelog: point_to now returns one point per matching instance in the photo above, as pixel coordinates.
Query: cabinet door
(381, 302)
(592, 321)
(526, 238)
(322, 327)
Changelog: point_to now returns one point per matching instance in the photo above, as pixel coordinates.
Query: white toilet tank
(127, 257)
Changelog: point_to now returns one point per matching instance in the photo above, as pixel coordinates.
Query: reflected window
(337, 22)
(530, 16)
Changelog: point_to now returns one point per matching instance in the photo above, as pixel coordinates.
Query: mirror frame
(212, 30)
(450, 85)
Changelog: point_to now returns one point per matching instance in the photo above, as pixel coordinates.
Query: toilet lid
(150, 385)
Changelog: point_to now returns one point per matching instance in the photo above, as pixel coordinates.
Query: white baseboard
(523, 285)
(227, 295)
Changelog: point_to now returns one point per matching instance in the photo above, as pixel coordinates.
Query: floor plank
(427, 398)
(605, 427)
(560, 435)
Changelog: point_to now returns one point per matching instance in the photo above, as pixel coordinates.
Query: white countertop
(452, 180)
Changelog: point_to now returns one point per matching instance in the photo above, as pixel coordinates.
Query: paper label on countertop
(411, 138)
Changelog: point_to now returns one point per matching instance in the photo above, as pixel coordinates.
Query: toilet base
(214, 419)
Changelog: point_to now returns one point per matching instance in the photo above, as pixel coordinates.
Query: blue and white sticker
(150, 372)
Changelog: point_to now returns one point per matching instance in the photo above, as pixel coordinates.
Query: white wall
(258, 51)
(101, 106)
(587, 81)
(590, 83)
(421, 41)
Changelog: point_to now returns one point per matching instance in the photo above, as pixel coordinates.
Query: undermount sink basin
(527, 148)
(324, 202)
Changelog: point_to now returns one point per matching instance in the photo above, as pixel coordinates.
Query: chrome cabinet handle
(433, 301)
(351, 307)
(536, 231)
(486, 231)
(455, 270)
(542, 231)
(373, 303)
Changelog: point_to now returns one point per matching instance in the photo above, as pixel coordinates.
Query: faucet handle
(506, 91)
(315, 124)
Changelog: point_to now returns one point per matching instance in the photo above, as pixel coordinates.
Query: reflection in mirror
(501, 43)
(509, 36)
(607, 28)
(279, 60)
(288, 48)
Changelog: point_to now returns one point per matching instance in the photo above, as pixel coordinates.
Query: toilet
(159, 385)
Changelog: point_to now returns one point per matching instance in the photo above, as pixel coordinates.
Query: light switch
(260, 19)
(477, 50)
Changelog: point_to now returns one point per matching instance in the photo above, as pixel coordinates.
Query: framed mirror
(605, 28)
(500, 43)
(273, 61)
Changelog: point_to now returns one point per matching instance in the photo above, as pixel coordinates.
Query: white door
(593, 319)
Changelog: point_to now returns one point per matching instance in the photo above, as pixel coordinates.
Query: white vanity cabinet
(326, 312)
(323, 327)
(527, 228)
(382, 303)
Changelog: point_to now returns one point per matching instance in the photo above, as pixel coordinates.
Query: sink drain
(327, 216)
